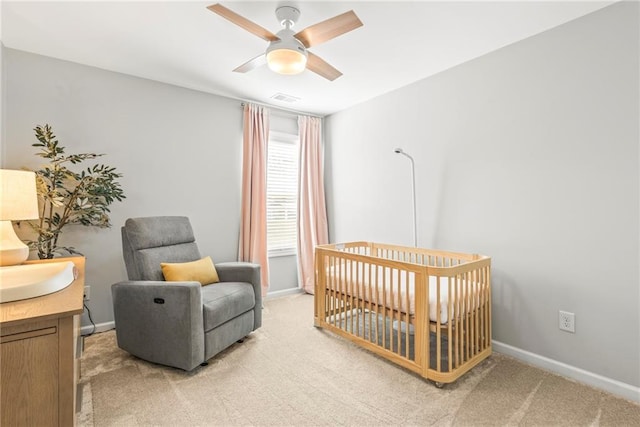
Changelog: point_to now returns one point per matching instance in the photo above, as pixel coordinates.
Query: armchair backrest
(146, 242)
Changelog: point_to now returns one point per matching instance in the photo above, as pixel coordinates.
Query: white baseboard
(283, 292)
(612, 386)
(100, 327)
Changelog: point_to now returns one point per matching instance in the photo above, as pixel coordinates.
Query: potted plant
(69, 197)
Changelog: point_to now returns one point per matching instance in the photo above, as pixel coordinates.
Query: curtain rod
(282, 110)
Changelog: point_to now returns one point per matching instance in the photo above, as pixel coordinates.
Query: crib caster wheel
(438, 384)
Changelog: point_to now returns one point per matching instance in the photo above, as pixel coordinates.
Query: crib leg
(438, 384)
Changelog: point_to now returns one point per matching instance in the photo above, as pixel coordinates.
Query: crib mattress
(395, 289)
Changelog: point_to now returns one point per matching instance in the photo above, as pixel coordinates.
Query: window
(282, 194)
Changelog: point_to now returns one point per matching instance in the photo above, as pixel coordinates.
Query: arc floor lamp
(413, 190)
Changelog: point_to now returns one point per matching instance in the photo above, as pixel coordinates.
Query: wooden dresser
(39, 360)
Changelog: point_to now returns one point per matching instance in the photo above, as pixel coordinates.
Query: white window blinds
(282, 190)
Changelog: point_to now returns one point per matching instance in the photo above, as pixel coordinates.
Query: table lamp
(18, 201)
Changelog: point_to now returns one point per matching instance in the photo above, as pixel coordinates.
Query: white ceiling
(184, 44)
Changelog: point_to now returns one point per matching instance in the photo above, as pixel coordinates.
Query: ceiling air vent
(284, 98)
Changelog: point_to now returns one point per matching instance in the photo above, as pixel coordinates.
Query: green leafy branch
(69, 197)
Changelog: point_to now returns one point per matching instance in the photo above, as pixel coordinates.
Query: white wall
(2, 88)
(2, 99)
(529, 155)
(179, 150)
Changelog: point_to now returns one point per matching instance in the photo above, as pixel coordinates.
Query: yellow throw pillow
(202, 271)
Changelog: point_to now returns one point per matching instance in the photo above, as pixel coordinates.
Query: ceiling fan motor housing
(287, 41)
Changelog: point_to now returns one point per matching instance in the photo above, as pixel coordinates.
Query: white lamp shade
(286, 61)
(18, 196)
(18, 201)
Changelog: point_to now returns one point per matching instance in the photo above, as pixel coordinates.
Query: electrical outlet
(567, 321)
(87, 293)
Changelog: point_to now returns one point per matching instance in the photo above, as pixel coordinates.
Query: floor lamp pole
(413, 190)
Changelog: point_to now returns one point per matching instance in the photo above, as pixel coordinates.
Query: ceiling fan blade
(243, 22)
(329, 29)
(252, 64)
(321, 67)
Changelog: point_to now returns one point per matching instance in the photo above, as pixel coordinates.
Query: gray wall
(179, 150)
(529, 155)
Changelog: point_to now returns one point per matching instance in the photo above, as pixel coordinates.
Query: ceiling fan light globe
(286, 61)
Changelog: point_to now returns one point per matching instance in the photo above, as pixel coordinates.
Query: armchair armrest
(244, 272)
(160, 321)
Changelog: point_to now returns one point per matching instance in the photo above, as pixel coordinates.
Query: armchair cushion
(226, 301)
(142, 233)
(146, 242)
(202, 271)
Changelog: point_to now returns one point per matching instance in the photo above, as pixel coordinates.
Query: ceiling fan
(287, 51)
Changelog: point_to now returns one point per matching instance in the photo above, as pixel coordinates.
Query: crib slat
(338, 288)
(485, 309)
(376, 281)
(336, 284)
(477, 310)
(358, 284)
(489, 307)
(384, 307)
(330, 284)
(368, 298)
(418, 322)
(449, 329)
(457, 323)
(351, 299)
(407, 311)
(438, 328)
(396, 289)
(468, 323)
(476, 313)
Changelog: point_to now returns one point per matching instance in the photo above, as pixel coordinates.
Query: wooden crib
(425, 310)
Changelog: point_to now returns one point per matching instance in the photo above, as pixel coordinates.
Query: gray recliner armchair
(180, 324)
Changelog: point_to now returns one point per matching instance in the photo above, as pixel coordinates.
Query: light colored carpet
(289, 373)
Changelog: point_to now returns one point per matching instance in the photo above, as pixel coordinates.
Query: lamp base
(12, 250)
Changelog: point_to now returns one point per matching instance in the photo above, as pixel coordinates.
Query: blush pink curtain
(253, 222)
(312, 211)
